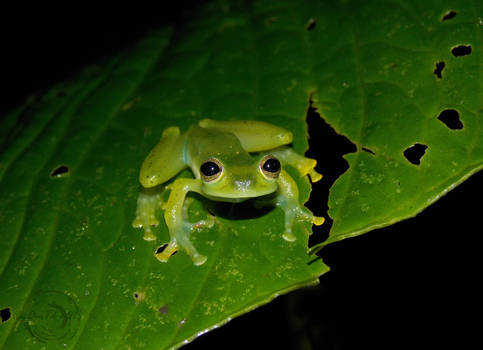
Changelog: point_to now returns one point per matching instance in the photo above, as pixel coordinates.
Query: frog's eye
(211, 170)
(270, 167)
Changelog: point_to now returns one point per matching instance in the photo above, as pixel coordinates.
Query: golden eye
(211, 169)
(270, 167)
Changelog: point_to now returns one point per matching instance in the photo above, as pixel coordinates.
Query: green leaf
(378, 84)
(75, 274)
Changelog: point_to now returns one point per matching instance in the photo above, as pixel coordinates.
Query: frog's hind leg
(178, 225)
(165, 160)
(254, 135)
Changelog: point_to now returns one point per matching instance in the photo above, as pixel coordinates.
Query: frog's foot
(167, 250)
(148, 234)
(296, 213)
(164, 252)
(145, 218)
(208, 222)
(288, 235)
(182, 240)
(146, 222)
(314, 176)
(148, 202)
(306, 166)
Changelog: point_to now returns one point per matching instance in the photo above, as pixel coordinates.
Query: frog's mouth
(229, 199)
(238, 196)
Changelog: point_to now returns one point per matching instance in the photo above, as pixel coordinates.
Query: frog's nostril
(242, 185)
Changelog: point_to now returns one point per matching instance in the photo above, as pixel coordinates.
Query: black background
(414, 284)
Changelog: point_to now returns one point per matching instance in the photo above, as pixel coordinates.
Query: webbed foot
(305, 166)
(182, 235)
(172, 248)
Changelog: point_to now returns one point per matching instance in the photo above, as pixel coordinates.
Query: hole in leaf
(311, 23)
(448, 15)
(439, 68)
(328, 148)
(60, 171)
(415, 153)
(451, 118)
(461, 50)
(368, 150)
(5, 314)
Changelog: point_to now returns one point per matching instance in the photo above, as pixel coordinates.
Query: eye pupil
(209, 168)
(272, 165)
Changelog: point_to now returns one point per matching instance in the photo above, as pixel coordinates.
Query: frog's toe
(289, 236)
(164, 252)
(146, 223)
(315, 176)
(208, 222)
(199, 259)
(152, 221)
(149, 235)
(145, 220)
(137, 223)
(318, 220)
(307, 167)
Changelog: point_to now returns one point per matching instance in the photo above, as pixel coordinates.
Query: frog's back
(205, 143)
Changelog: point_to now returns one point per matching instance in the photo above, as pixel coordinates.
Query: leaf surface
(388, 83)
(74, 273)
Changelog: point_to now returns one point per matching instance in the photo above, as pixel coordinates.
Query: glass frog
(231, 161)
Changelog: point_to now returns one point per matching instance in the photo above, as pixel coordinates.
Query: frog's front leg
(288, 199)
(305, 166)
(178, 225)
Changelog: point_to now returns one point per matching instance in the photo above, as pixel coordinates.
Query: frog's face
(237, 181)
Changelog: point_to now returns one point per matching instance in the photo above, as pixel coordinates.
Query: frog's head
(236, 181)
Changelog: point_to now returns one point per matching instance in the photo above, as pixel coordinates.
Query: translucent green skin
(228, 143)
